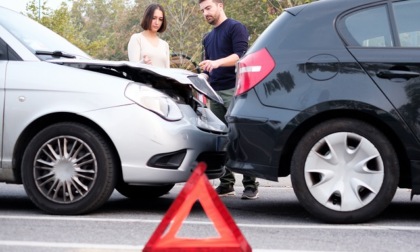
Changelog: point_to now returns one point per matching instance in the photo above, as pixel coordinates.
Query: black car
(330, 94)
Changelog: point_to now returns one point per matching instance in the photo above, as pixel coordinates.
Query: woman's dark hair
(148, 17)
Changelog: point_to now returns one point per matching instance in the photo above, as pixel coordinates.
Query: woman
(146, 46)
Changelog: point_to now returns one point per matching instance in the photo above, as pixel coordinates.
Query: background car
(74, 128)
(330, 94)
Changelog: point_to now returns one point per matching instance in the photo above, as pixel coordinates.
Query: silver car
(73, 129)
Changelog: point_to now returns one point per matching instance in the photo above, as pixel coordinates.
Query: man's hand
(208, 65)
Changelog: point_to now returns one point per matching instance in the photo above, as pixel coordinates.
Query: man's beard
(211, 20)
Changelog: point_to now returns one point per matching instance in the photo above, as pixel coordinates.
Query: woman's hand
(147, 60)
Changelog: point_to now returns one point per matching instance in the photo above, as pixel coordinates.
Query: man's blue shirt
(228, 38)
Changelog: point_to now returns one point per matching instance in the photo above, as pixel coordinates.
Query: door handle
(394, 74)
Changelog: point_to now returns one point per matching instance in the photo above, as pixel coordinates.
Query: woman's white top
(139, 45)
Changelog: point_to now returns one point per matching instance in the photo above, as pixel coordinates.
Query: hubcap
(65, 169)
(344, 171)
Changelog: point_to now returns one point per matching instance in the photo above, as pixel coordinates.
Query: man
(223, 46)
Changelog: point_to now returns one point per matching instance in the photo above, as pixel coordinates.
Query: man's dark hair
(146, 23)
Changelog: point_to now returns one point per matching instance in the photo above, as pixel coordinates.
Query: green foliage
(102, 28)
(256, 15)
(36, 11)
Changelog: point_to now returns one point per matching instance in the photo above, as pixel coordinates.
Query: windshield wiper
(57, 54)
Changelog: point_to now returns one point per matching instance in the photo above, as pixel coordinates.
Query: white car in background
(73, 128)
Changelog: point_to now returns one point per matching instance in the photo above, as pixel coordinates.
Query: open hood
(160, 78)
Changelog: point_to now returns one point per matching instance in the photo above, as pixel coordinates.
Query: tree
(97, 21)
(37, 12)
(258, 15)
(186, 28)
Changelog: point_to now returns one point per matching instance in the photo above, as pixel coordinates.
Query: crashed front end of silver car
(174, 95)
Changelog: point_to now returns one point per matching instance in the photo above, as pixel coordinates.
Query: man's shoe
(225, 191)
(250, 193)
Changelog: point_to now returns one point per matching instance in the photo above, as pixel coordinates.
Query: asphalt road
(274, 222)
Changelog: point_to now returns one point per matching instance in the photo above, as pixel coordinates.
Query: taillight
(252, 69)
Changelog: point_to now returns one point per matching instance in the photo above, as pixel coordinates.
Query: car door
(385, 40)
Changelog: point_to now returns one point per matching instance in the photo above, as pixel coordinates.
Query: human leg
(249, 181)
(250, 187)
(220, 109)
(227, 181)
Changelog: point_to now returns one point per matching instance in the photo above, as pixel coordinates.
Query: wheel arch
(36, 126)
(373, 119)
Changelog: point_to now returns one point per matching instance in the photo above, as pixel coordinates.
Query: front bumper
(155, 151)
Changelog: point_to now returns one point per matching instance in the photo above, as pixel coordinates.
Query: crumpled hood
(138, 71)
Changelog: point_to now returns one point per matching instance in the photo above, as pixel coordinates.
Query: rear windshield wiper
(57, 54)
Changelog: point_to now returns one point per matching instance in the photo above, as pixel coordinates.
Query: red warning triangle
(198, 188)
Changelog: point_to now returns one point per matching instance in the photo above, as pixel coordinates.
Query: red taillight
(252, 69)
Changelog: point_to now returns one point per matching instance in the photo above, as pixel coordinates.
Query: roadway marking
(89, 246)
(70, 245)
(280, 226)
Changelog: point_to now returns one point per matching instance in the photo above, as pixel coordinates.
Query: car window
(35, 36)
(3, 50)
(407, 19)
(7, 53)
(368, 28)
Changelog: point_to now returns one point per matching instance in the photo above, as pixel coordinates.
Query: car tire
(68, 168)
(344, 171)
(142, 191)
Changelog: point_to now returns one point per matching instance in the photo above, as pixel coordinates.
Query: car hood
(158, 77)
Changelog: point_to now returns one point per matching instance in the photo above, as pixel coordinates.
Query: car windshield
(37, 38)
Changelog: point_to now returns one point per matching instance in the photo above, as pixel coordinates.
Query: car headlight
(153, 100)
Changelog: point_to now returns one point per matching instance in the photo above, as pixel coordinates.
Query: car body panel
(24, 103)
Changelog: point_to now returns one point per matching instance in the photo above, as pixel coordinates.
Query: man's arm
(209, 65)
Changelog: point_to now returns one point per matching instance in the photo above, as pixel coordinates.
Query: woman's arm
(134, 49)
